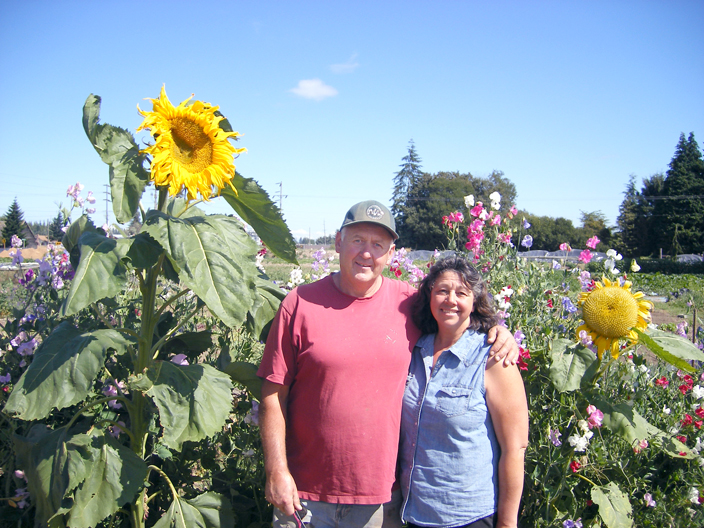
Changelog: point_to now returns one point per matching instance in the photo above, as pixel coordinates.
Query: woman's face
(451, 302)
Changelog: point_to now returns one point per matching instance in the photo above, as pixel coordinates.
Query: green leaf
(624, 421)
(101, 272)
(193, 400)
(209, 510)
(213, 256)
(570, 361)
(144, 251)
(118, 149)
(114, 475)
(266, 303)
(73, 235)
(245, 373)
(84, 477)
(614, 508)
(189, 343)
(63, 371)
(671, 348)
(253, 205)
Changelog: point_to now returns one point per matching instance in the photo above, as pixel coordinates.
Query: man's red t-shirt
(345, 360)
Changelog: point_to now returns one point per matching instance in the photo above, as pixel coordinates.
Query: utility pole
(107, 200)
(281, 196)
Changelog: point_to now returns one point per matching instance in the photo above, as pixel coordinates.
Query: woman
(464, 428)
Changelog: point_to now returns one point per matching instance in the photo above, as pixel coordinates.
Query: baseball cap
(372, 212)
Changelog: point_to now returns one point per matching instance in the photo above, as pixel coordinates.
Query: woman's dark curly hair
(483, 311)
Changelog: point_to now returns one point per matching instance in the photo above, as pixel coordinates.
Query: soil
(28, 253)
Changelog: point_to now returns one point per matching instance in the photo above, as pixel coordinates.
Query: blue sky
(566, 98)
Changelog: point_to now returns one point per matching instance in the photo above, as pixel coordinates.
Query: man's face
(365, 249)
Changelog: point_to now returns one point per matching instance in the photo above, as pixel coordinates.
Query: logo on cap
(375, 212)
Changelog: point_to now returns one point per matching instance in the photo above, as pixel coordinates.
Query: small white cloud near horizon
(313, 89)
(346, 67)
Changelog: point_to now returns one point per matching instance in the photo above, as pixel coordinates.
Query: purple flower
(15, 241)
(115, 430)
(19, 338)
(7, 378)
(17, 257)
(519, 336)
(527, 241)
(27, 348)
(648, 499)
(526, 225)
(21, 496)
(90, 210)
(179, 359)
(252, 416)
(20, 474)
(568, 306)
(555, 437)
(556, 265)
(569, 523)
(90, 198)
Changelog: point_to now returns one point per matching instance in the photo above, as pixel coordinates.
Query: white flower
(643, 369)
(295, 278)
(694, 496)
(698, 392)
(579, 443)
(613, 254)
(634, 266)
(583, 425)
(665, 409)
(469, 201)
(495, 200)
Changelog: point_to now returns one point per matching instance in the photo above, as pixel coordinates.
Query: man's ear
(338, 241)
(391, 254)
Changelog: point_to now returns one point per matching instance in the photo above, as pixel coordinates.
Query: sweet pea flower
(505, 238)
(477, 210)
(648, 499)
(7, 378)
(565, 247)
(513, 210)
(27, 348)
(519, 336)
(568, 306)
(698, 392)
(495, 198)
(115, 430)
(496, 220)
(527, 241)
(569, 523)
(634, 266)
(596, 417)
(694, 497)
(555, 435)
(17, 257)
(574, 466)
(469, 201)
(526, 224)
(585, 256)
(252, 416)
(90, 198)
(592, 242)
(180, 359)
(15, 242)
(643, 444)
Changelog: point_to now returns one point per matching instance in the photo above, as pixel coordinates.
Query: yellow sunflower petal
(191, 152)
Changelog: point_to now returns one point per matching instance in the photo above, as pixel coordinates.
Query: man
(334, 369)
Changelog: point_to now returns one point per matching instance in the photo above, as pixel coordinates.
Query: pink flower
(585, 256)
(596, 417)
(496, 220)
(457, 217)
(662, 382)
(592, 242)
(477, 209)
(505, 238)
(574, 466)
(565, 247)
(687, 420)
(643, 444)
(513, 211)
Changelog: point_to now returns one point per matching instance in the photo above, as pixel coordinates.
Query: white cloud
(346, 67)
(313, 89)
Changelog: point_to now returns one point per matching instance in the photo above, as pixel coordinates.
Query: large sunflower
(611, 312)
(191, 150)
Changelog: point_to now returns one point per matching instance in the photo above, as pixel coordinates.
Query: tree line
(667, 213)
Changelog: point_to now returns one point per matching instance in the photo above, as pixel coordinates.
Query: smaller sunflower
(611, 312)
(191, 151)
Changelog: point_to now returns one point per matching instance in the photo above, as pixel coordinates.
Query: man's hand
(281, 491)
(504, 346)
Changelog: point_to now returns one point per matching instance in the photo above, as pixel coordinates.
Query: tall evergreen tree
(55, 228)
(14, 222)
(404, 180)
(681, 213)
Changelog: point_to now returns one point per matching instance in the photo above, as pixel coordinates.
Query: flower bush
(615, 439)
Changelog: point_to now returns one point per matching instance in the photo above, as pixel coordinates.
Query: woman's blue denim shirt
(449, 453)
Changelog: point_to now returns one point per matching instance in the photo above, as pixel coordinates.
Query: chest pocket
(453, 401)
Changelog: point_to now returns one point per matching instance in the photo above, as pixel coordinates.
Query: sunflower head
(611, 312)
(191, 151)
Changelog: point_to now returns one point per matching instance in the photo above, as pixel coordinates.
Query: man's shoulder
(399, 287)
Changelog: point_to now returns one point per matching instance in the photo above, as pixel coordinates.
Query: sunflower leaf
(670, 347)
(213, 256)
(254, 206)
(569, 363)
(63, 371)
(245, 373)
(269, 297)
(118, 149)
(101, 272)
(614, 508)
(193, 400)
(208, 510)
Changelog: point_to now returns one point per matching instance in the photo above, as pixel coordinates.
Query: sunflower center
(610, 311)
(192, 148)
